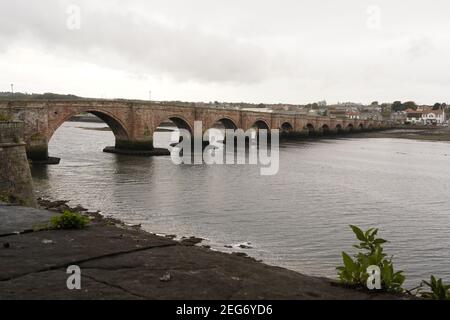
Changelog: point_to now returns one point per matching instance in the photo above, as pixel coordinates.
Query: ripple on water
(298, 218)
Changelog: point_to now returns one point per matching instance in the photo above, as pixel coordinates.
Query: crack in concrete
(78, 262)
(150, 269)
(17, 233)
(115, 286)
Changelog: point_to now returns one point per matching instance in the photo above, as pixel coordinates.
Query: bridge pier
(135, 148)
(37, 150)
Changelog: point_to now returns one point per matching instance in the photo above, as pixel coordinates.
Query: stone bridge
(134, 122)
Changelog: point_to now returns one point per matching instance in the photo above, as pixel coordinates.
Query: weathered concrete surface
(125, 263)
(15, 219)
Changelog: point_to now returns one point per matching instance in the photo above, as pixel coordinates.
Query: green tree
(410, 105)
(397, 106)
(437, 106)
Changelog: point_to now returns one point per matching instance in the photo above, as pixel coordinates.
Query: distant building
(430, 116)
(337, 113)
(413, 116)
(374, 115)
(399, 117)
(426, 116)
(355, 115)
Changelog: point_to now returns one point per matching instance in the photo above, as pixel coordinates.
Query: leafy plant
(439, 290)
(4, 117)
(69, 220)
(4, 198)
(354, 270)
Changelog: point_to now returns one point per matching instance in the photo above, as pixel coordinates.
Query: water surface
(297, 219)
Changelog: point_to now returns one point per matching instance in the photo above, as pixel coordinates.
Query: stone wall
(15, 176)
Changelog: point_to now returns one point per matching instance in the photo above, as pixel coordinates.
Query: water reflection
(298, 218)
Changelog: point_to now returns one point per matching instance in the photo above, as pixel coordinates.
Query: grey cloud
(135, 42)
(290, 50)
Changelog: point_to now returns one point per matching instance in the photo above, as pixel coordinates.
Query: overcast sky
(290, 51)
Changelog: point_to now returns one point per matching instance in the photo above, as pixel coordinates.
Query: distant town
(398, 112)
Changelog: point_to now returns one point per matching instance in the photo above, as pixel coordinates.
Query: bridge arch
(361, 126)
(338, 128)
(37, 143)
(114, 123)
(310, 129)
(286, 127)
(350, 127)
(167, 131)
(179, 121)
(224, 123)
(325, 129)
(261, 124)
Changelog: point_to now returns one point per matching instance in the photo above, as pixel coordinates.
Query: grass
(69, 220)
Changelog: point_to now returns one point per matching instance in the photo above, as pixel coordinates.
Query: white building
(426, 116)
(433, 116)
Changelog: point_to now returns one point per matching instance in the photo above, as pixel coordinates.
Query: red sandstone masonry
(133, 122)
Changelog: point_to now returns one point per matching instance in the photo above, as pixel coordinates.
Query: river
(297, 218)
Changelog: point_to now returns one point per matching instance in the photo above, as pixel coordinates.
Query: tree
(437, 106)
(397, 106)
(410, 105)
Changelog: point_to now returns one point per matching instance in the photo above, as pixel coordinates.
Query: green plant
(12, 199)
(439, 290)
(354, 271)
(4, 117)
(69, 220)
(4, 198)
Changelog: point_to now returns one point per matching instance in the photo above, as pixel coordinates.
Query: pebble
(166, 277)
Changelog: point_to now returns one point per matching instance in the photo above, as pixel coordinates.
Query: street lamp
(12, 88)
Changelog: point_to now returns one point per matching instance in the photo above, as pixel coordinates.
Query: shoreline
(120, 261)
(59, 206)
(426, 133)
(421, 133)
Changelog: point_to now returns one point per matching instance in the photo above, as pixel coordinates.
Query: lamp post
(12, 88)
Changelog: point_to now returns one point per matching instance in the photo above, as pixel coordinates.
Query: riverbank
(118, 261)
(424, 133)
